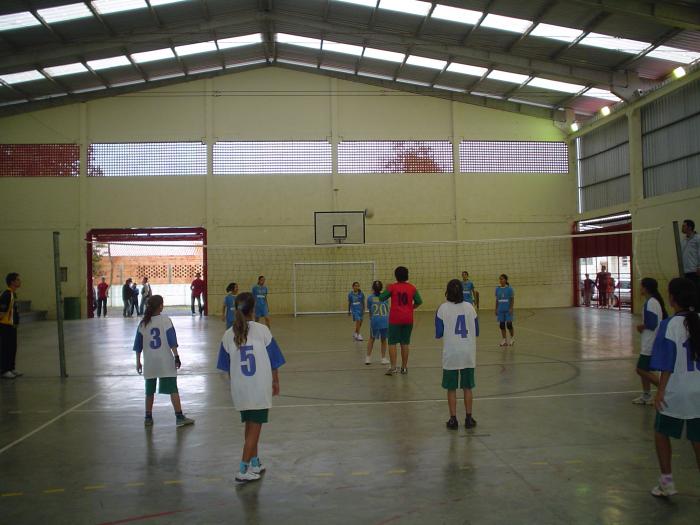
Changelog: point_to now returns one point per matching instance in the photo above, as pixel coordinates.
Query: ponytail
(684, 293)
(153, 305)
(652, 286)
(245, 303)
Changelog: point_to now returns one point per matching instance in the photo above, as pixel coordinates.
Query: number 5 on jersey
(247, 361)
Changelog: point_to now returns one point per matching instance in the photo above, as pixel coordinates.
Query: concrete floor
(557, 441)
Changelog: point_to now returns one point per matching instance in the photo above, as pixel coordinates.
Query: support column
(85, 287)
(334, 140)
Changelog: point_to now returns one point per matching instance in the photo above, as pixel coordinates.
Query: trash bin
(71, 308)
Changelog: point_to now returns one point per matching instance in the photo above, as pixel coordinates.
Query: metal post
(679, 250)
(59, 303)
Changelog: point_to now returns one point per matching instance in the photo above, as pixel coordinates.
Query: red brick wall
(158, 269)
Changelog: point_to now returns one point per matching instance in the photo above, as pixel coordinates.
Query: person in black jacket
(126, 297)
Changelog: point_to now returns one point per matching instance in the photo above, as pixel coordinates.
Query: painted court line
(51, 421)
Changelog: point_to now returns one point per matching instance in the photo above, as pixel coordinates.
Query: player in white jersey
(251, 356)
(457, 325)
(676, 354)
(653, 313)
(157, 341)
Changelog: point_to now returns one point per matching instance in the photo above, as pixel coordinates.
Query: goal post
(322, 287)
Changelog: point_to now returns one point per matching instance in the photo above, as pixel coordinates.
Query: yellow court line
(173, 482)
(11, 494)
(325, 474)
(397, 471)
(212, 479)
(53, 491)
(360, 473)
(94, 487)
(135, 484)
(539, 463)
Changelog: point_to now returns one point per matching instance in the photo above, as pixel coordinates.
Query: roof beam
(672, 14)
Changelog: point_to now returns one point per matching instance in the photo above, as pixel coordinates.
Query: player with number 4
(157, 341)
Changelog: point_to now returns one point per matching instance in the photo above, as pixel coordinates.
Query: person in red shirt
(102, 294)
(197, 288)
(404, 299)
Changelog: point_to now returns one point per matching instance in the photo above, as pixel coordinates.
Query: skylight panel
(295, 62)
(337, 47)
(412, 7)
(296, 40)
(247, 63)
(368, 3)
(106, 63)
(338, 69)
(530, 103)
(450, 88)
(564, 34)
(168, 76)
(192, 49)
(106, 7)
(374, 75)
(155, 3)
(238, 41)
(505, 76)
(455, 14)
(18, 21)
(152, 56)
(674, 54)
(555, 85)
(23, 76)
(426, 62)
(487, 95)
(68, 69)
(65, 12)
(414, 82)
(602, 94)
(506, 23)
(623, 45)
(380, 54)
(129, 83)
(464, 69)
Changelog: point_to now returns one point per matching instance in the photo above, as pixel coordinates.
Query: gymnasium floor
(557, 440)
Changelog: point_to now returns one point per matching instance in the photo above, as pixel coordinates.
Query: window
(478, 156)
(272, 157)
(147, 158)
(395, 156)
(39, 160)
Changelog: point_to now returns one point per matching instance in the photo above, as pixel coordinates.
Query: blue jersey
(468, 287)
(229, 303)
(356, 302)
(378, 311)
(260, 294)
(503, 296)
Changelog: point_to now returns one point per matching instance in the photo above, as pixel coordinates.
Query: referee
(690, 246)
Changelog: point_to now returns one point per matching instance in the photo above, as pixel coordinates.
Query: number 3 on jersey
(247, 361)
(461, 326)
(155, 339)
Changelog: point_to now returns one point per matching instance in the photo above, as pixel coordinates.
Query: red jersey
(197, 287)
(102, 290)
(402, 297)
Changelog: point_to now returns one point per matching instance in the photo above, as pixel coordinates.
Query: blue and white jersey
(356, 302)
(155, 341)
(250, 366)
(671, 353)
(652, 316)
(468, 292)
(260, 294)
(378, 311)
(229, 304)
(503, 296)
(458, 327)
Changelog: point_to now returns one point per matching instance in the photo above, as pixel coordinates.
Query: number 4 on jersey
(461, 326)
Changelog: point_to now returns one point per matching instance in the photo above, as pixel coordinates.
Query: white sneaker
(257, 469)
(643, 400)
(17, 374)
(385, 361)
(391, 372)
(8, 375)
(354, 336)
(512, 342)
(248, 475)
(368, 360)
(359, 337)
(503, 343)
(183, 421)
(664, 489)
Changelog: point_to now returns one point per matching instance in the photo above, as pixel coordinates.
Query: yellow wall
(276, 209)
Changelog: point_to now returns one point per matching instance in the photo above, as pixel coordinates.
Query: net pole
(294, 287)
(679, 250)
(59, 303)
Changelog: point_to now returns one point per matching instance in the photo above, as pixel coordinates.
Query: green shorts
(166, 385)
(255, 416)
(673, 427)
(644, 362)
(400, 334)
(454, 379)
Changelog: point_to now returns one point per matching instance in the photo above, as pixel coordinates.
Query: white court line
(42, 427)
(372, 403)
(553, 335)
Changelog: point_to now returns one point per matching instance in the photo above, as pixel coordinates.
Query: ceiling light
(506, 23)
(295, 62)
(151, 56)
(605, 111)
(375, 75)
(426, 62)
(106, 63)
(602, 94)
(574, 127)
(295, 40)
(464, 69)
(24, 76)
(679, 72)
(106, 7)
(65, 12)
(380, 54)
(337, 47)
(554, 85)
(455, 14)
(17, 21)
(674, 54)
(414, 82)
(412, 7)
(192, 49)
(505, 76)
(623, 45)
(565, 34)
(68, 69)
(238, 41)
(368, 3)
(450, 88)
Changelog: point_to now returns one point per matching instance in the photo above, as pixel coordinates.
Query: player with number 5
(251, 357)
(457, 325)
(157, 341)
